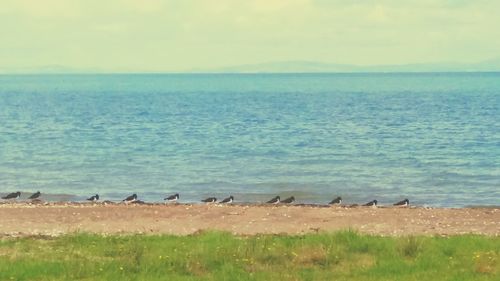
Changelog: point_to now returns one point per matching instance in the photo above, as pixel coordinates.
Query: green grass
(221, 256)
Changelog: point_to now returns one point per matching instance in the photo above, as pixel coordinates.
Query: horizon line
(243, 72)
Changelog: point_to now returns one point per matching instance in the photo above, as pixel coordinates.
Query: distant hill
(312, 67)
(48, 69)
(286, 67)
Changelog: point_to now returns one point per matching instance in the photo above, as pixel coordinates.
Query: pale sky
(177, 35)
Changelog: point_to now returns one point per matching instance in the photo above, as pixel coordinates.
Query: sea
(433, 138)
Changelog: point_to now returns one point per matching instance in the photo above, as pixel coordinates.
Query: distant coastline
(492, 65)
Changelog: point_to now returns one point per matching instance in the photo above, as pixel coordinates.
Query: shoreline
(242, 204)
(252, 199)
(54, 219)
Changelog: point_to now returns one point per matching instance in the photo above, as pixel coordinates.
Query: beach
(55, 219)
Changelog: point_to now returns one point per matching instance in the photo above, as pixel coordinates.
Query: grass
(222, 256)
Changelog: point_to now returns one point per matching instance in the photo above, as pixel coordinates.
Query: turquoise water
(434, 138)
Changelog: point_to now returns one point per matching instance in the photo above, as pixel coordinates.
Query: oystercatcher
(228, 200)
(130, 199)
(13, 195)
(35, 195)
(289, 200)
(275, 200)
(93, 198)
(209, 200)
(336, 201)
(371, 203)
(403, 203)
(172, 198)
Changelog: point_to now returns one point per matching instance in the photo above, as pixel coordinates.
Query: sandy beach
(24, 219)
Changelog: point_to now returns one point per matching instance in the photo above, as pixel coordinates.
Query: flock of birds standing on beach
(174, 198)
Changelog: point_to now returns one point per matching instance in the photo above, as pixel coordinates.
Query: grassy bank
(222, 256)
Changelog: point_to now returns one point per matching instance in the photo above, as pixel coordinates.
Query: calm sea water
(434, 138)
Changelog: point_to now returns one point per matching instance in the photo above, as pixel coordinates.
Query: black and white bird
(93, 198)
(172, 198)
(209, 200)
(130, 199)
(336, 201)
(35, 195)
(275, 200)
(289, 200)
(371, 203)
(13, 195)
(228, 200)
(403, 203)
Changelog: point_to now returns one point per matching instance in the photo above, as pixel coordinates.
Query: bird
(35, 195)
(336, 201)
(209, 200)
(403, 203)
(172, 198)
(93, 198)
(289, 200)
(13, 195)
(371, 203)
(228, 200)
(130, 199)
(275, 200)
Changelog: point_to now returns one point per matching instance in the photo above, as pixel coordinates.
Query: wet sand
(24, 219)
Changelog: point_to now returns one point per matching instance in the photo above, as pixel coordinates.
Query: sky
(183, 35)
